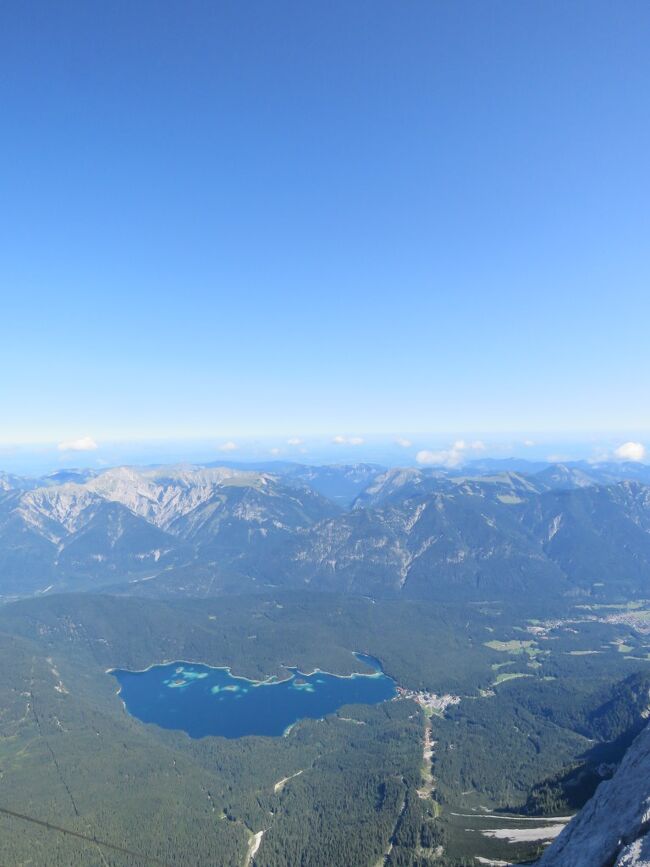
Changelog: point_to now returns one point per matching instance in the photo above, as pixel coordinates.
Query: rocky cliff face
(613, 828)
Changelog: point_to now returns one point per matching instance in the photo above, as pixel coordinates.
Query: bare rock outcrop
(613, 828)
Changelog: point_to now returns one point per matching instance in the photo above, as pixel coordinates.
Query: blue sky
(267, 219)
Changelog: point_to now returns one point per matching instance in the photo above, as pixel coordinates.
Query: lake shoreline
(206, 700)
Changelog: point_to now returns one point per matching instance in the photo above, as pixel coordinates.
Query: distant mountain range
(488, 532)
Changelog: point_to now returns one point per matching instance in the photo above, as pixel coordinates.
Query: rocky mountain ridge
(413, 532)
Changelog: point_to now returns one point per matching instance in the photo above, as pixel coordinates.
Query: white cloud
(83, 444)
(294, 441)
(450, 457)
(230, 446)
(275, 451)
(631, 452)
(404, 443)
(528, 443)
(443, 458)
(347, 441)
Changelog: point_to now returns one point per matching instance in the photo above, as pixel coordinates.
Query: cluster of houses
(430, 701)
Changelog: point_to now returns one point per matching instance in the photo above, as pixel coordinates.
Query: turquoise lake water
(202, 700)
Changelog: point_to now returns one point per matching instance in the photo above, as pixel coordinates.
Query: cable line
(150, 858)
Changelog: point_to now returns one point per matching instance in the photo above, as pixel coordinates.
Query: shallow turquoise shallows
(201, 700)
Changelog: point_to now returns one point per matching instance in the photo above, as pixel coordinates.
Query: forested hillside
(539, 702)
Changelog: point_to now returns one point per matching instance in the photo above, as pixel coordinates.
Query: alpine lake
(201, 700)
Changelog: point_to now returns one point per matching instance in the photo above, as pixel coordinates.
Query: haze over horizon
(424, 450)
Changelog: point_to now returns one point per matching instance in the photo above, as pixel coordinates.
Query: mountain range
(485, 532)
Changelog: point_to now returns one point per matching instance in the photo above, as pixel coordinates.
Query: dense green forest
(422, 646)
(346, 790)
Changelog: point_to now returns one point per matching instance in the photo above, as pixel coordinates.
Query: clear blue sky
(226, 218)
